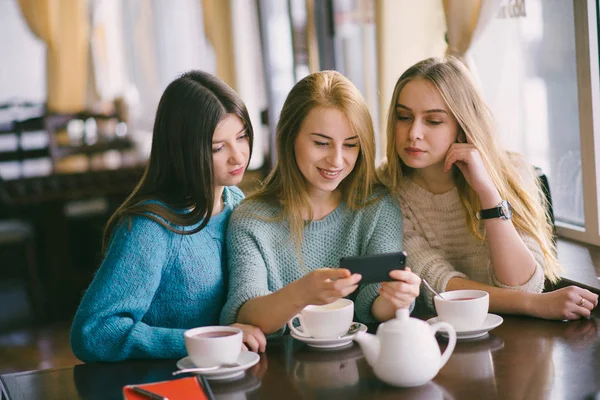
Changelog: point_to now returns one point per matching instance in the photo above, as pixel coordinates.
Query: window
(356, 52)
(539, 74)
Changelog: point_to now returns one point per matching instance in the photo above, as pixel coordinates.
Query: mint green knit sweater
(262, 257)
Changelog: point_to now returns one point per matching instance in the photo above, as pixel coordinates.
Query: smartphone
(375, 267)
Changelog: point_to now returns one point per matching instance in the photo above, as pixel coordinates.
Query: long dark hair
(179, 173)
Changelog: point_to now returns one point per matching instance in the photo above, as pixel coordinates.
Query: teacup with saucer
(326, 326)
(467, 312)
(216, 352)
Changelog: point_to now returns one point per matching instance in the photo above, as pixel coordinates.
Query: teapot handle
(451, 339)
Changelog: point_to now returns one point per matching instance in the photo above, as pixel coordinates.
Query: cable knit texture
(440, 245)
(153, 285)
(262, 256)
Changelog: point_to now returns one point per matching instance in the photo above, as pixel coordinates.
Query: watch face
(506, 209)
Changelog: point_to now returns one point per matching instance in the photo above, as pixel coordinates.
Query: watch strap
(490, 213)
(503, 210)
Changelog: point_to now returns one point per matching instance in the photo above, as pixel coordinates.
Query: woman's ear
(462, 137)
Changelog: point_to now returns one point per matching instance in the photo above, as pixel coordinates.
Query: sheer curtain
(407, 31)
(109, 72)
(466, 20)
(161, 39)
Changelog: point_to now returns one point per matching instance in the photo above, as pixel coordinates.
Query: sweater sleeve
(108, 325)
(385, 237)
(535, 284)
(427, 262)
(248, 276)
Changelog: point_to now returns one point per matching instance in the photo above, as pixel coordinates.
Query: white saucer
(491, 321)
(246, 360)
(329, 343)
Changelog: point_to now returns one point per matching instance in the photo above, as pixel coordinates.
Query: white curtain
(109, 78)
(249, 72)
(466, 20)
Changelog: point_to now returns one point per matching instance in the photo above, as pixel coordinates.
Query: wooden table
(524, 358)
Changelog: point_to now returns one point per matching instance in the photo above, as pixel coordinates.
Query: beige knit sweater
(440, 246)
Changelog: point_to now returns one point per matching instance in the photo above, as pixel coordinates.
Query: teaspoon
(353, 329)
(432, 289)
(205, 369)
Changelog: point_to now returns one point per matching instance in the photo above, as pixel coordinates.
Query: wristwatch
(503, 211)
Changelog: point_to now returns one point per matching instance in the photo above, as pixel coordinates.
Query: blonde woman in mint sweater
(163, 268)
(320, 203)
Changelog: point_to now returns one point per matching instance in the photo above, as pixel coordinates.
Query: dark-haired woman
(163, 270)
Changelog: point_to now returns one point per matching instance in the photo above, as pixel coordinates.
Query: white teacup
(208, 346)
(324, 322)
(463, 309)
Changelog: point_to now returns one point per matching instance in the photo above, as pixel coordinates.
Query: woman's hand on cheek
(401, 292)
(468, 159)
(254, 338)
(326, 285)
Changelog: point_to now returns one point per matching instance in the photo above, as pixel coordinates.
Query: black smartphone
(375, 267)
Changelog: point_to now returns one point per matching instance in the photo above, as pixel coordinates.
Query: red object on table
(178, 389)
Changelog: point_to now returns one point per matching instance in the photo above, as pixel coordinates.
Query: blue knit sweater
(153, 285)
(262, 256)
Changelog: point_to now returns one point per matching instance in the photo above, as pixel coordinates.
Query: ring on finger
(581, 302)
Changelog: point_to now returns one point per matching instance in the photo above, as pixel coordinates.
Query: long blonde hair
(475, 121)
(285, 185)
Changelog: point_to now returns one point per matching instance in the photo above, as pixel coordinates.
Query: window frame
(588, 92)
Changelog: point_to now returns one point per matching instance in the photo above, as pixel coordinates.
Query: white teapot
(404, 352)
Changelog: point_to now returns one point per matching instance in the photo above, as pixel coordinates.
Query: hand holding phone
(325, 285)
(375, 267)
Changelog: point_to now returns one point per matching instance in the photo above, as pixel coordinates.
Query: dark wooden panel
(20, 155)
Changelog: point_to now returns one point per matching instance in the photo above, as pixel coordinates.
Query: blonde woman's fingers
(398, 293)
(405, 275)
(352, 280)
(402, 287)
(396, 302)
(334, 273)
(346, 291)
(585, 303)
(592, 298)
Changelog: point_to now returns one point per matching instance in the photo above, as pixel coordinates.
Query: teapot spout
(370, 346)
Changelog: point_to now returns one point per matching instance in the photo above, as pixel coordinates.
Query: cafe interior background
(80, 81)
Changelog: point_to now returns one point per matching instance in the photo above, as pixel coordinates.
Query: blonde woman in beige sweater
(474, 216)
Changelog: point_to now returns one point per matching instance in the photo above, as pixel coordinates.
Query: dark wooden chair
(545, 184)
(19, 261)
